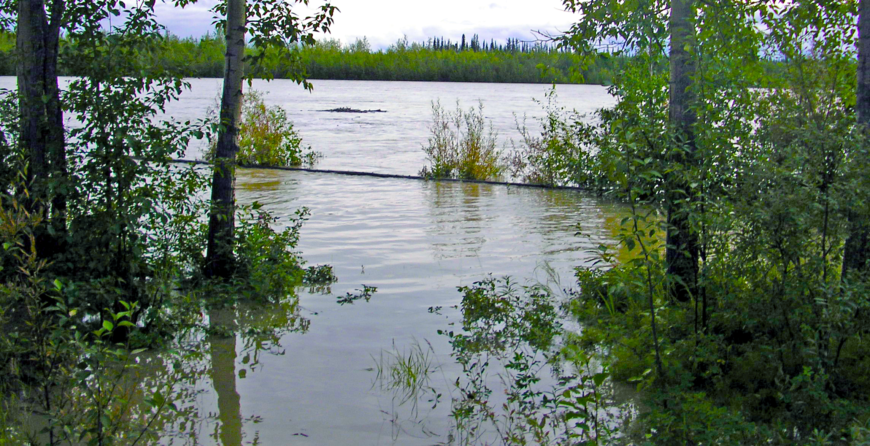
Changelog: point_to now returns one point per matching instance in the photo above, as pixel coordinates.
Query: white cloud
(385, 21)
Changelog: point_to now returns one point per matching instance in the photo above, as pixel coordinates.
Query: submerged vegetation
(267, 137)
(462, 145)
(561, 155)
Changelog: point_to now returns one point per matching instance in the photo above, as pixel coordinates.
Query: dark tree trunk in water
(41, 131)
(682, 242)
(219, 257)
(855, 256)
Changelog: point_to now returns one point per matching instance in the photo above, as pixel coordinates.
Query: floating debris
(352, 110)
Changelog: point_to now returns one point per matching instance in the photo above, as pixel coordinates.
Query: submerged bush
(561, 154)
(551, 393)
(462, 146)
(267, 137)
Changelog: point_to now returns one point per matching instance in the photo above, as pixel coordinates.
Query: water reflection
(260, 180)
(259, 328)
(416, 242)
(223, 377)
(459, 217)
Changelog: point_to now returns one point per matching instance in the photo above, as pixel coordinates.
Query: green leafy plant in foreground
(769, 345)
(64, 382)
(266, 262)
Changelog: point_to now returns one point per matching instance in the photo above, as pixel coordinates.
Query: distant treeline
(437, 59)
(446, 61)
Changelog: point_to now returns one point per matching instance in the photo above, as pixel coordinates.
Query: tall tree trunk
(41, 131)
(855, 255)
(219, 257)
(682, 243)
(54, 113)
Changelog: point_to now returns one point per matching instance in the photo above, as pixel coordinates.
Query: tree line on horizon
(437, 59)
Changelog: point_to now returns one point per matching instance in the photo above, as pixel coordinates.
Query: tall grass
(406, 373)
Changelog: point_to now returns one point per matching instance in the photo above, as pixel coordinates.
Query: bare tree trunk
(32, 28)
(41, 131)
(682, 243)
(54, 113)
(855, 255)
(219, 257)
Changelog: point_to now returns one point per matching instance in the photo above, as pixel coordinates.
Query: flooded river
(415, 241)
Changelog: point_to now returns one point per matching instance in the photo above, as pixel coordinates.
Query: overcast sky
(385, 21)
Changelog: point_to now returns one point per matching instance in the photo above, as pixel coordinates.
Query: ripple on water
(416, 241)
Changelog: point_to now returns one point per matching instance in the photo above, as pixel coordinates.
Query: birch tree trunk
(221, 225)
(682, 244)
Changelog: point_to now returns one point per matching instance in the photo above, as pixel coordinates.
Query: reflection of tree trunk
(223, 376)
(857, 246)
(682, 242)
(219, 257)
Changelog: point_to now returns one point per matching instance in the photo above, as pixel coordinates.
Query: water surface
(415, 241)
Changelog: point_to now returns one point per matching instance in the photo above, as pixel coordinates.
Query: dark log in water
(404, 177)
(352, 110)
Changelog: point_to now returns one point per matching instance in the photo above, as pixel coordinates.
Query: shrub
(267, 137)
(561, 154)
(462, 146)
(266, 264)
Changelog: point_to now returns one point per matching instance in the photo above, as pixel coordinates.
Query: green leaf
(108, 326)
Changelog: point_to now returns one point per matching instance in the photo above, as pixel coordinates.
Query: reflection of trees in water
(457, 211)
(260, 328)
(554, 216)
(260, 180)
(223, 377)
(275, 187)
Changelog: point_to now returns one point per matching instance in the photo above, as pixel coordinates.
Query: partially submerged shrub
(462, 145)
(319, 275)
(267, 137)
(561, 155)
(266, 261)
(551, 393)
